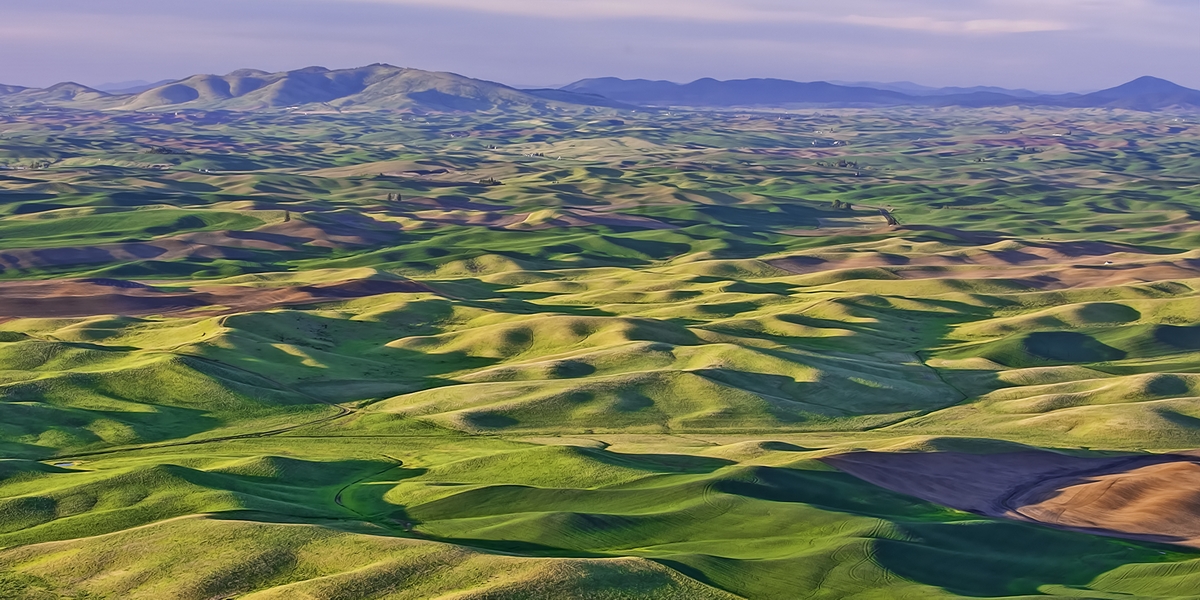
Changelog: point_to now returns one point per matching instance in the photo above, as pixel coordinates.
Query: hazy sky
(1068, 45)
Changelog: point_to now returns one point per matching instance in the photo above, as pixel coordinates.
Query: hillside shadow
(518, 547)
(659, 463)
(28, 417)
(1183, 337)
(334, 348)
(1070, 347)
(996, 558)
(924, 543)
(498, 297)
(330, 489)
(959, 553)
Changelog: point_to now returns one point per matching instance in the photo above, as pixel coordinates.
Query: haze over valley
(386, 87)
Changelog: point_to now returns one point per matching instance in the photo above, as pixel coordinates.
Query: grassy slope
(674, 297)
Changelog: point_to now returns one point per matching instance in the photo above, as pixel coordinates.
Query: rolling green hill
(476, 351)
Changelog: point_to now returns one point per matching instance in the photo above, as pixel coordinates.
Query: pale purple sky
(1067, 45)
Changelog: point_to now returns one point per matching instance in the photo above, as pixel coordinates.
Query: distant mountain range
(131, 87)
(1145, 94)
(916, 89)
(744, 92)
(386, 87)
(372, 87)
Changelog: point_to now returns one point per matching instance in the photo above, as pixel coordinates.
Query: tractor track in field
(338, 498)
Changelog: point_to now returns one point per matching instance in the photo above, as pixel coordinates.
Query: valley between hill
(588, 353)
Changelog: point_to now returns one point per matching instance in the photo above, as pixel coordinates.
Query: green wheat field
(597, 354)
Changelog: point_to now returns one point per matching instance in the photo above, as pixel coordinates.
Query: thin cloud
(686, 10)
(967, 26)
(732, 12)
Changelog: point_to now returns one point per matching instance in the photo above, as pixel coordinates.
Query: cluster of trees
(394, 197)
(891, 219)
(839, 205)
(844, 164)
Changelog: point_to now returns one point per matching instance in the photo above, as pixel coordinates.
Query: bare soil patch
(90, 297)
(1146, 497)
